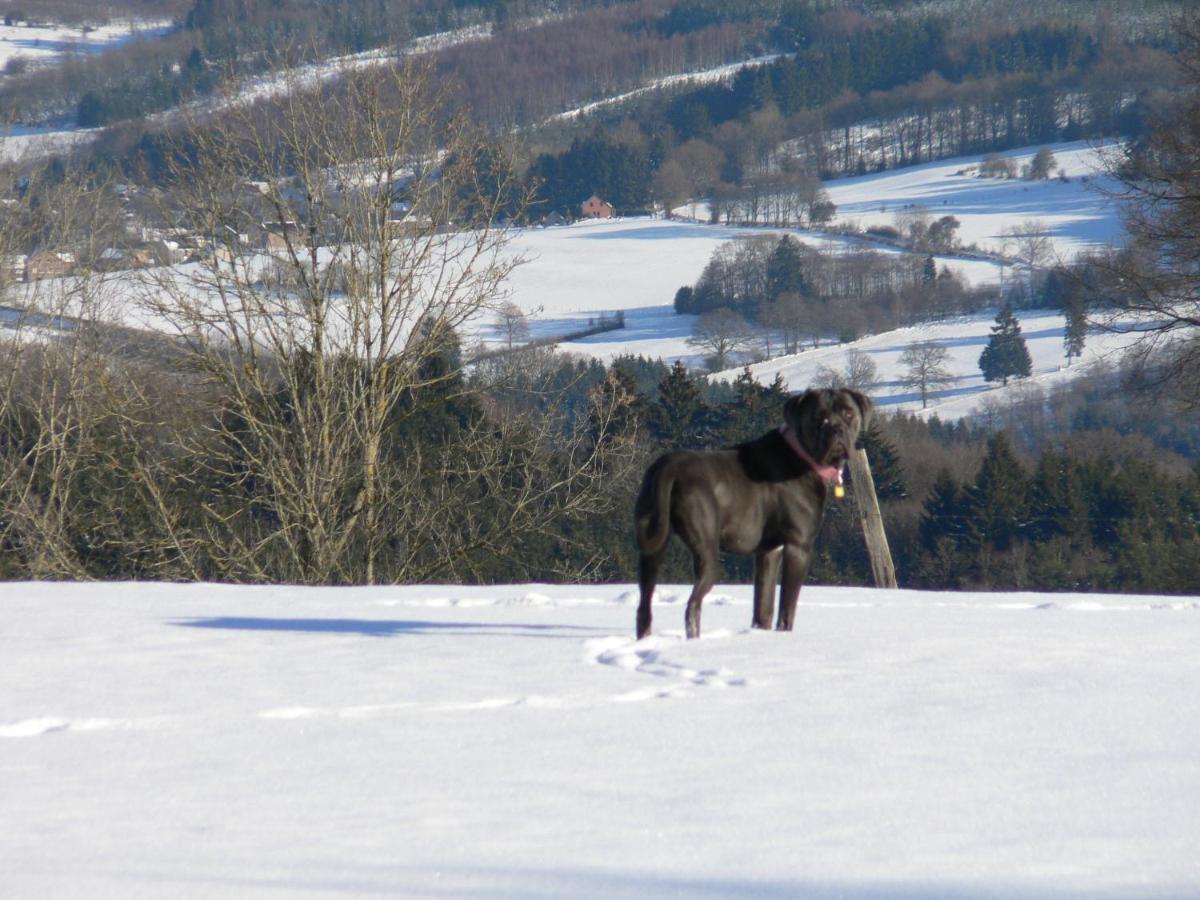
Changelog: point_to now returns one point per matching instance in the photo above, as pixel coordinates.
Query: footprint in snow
(647, 657)
(50, 724)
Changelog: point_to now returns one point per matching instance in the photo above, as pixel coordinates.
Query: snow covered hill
(45, 44)
(1075, 213)
(636, 265)
(576, 273)
(964, 338)
(217, 741)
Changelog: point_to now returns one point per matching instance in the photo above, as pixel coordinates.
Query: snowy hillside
(636, 265)
(1075, 216)
(201, 741)
(577, 273)
(964, 338)
(46, 44)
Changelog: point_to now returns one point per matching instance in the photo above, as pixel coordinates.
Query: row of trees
(319, 427)
(220, 39)
(806, 294)
(1072, 506)
(859, 95)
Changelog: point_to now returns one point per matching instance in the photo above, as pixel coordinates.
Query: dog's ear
(793, 409)
(864, 404)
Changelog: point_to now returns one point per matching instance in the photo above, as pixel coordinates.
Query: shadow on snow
(383, 627)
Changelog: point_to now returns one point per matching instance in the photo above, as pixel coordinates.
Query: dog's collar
(828, 474)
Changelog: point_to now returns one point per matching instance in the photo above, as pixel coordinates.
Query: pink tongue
(829, 474)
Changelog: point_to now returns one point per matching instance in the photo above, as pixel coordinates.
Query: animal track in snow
(50, 724)
(647, 657)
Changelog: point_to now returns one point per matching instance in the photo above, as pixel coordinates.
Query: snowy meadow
(515, 741)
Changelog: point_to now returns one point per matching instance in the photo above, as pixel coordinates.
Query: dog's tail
(652, 511)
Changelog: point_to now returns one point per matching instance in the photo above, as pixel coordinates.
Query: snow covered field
(45, 44)
(201, 740)
(577, 273)
(636, 265)
(1076, 217)
(964, 338)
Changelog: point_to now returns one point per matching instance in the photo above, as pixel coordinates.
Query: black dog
(764, 497)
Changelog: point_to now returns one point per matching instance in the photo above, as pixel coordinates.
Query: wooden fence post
(871, 519)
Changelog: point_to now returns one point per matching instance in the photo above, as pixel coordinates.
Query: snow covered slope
(1075, 215)
(216, 741)
(46, 44)
(964, 339)
(578, 272)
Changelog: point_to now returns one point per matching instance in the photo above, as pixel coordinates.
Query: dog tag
(839, 491)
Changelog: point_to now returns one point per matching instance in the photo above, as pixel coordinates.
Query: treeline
(847, 92)
(852, 94)
(219, 39)
(525, 75)
(965, 506)
(1079, 489)
(92, 12)
(934, 90)
(1078, 518)
(808, 294)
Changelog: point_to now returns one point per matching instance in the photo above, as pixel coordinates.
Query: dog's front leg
(766, 582)
(795, 568)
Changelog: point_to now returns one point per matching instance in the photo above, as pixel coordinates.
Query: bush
(886, 232)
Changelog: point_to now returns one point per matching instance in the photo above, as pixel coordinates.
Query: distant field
(636, 265)
(45, 44)
(578, 272)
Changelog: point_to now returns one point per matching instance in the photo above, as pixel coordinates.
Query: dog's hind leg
(766, 582)
(705, 565)
(648, 566)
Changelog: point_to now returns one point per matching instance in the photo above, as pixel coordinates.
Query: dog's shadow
(386, 627)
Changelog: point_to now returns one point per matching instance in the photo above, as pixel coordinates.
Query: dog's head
(828, 422)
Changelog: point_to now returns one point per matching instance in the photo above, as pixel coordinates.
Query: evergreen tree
(685, 301)
(1005, 355)
(886, 469)
(785, 269)
(748, 415)
(679, 415)
(996, 506)
(1076, 330)
(1057, 507)
(942, 515)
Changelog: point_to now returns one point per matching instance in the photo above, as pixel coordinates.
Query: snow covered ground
(636, 265)
(964, 339)
(574, 274)
(585, 270)
(724, 72)
(1076, 217)
(46, 44)
(200, 740)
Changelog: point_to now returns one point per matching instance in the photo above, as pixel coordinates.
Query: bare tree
(1033, 245)
(314, 392)
(859, 372)
(925, 368)
(1152, 285)
(1042, 165)
(722, 333)
(54, 364)
(670, 185)
(512, 323)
